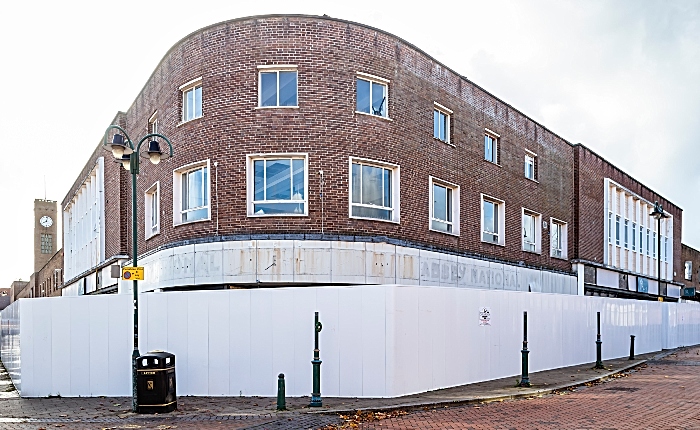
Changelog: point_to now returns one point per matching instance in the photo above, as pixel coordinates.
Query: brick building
(316, 151)
(690, 258)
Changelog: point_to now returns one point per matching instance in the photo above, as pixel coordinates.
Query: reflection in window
(441, 125)
(490, 222)
(371, 192)
(529, 239)
(371, 97)
(195, 199)
(442, 216)
(278, 88)
(490, 148)
(279, 186)
(192, 103)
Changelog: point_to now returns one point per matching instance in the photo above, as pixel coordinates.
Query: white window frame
(437, 107)
(149, 230)
(276, 68)
(177, 192)
(494, 148)
(250, 186)
(184, 88)
(501, 220)
(627, 234)
(377, 80)
(532, 157)
(688, 270)
(564, 237)
(618, 230)
(153, 123)
(455, 206)
(395, 189)
(537, 220)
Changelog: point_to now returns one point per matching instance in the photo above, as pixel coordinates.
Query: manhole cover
(628, 389)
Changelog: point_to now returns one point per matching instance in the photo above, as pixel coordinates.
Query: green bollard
(281, 404)
(316, 363)
(599, 348)
(525, 376)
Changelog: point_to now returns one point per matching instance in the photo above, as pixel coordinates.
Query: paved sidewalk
(259, 412)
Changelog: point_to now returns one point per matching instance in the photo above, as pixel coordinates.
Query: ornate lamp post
(658, 213)
(124, 150)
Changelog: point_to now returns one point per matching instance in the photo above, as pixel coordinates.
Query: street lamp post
(123, 150)
(658, 213)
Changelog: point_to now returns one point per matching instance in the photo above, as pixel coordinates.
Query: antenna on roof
(44, 187)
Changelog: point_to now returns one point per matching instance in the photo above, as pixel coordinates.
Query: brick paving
(658, 394)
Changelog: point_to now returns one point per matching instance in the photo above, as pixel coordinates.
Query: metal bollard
(281, 403)
(524, 377)
(631, 347)
(598, 348)
(316, 363)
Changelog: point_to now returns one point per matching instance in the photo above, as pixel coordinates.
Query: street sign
(132, 273)
(689, 292)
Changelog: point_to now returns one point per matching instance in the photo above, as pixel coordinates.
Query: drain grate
(627, 389)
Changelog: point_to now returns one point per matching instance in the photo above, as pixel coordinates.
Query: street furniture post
(316, 363)
(525, 377)
(281, 404)
(598, 347)
(631, 347)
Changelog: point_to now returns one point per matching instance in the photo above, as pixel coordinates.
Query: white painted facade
(623, 251)
(84, 225)
(377, 341)
(335, 262)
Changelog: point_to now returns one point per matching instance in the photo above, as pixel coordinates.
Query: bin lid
(157, 354)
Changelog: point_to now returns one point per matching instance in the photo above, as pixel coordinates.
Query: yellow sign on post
(132, 273)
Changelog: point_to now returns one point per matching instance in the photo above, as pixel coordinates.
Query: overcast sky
(621, 77)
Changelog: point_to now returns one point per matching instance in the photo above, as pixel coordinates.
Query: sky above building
(620, 76)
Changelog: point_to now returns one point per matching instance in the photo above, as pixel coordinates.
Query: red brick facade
(328, 54)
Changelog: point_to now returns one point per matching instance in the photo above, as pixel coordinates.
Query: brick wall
(49, 280)
(692, 255)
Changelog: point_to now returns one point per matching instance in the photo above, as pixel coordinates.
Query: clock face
(46, 221)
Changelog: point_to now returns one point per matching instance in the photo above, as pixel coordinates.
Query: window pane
(366, 212)
(387, 188)
(278, 208)
(489, 217)
(189, 103)
(205, 188)
(441, 226)
(556, 228)
(288, 88)
(529, 228)
(154, 209)
(185, 193)
(268, 89)
(378, 99)
(259, 173)
(194, 215)
(279, 183)
(372, 191)
(198, 102)
(363, 96)
(439, 202)
(449, 205)
(298, 190)
(436, 124)
(194, 185)
(356, 181)
(488, 148)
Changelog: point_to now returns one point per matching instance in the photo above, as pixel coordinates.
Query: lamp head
(126, 162)
(154, 152)
(658, 212)
(119, 147)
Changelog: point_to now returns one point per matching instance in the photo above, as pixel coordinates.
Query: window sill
(275, 107)
(445, 232)
(189, 121)
(493, 243)
(563, 257)
(375, 219)
(192, 222)
(385, 118)
(532, 252)
(448, 143)
(533, 180)
(153, 235)
(491, 162)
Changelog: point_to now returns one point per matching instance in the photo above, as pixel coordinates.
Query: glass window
(648, 234)
(529, 231)
(278, 88)
(443, 216)
(371, 192)
(634, 236)
(441, 125)
(279, 186)
(617, 230)
(371, 97)
(653, 252)
(46, 243)
(627, 225)
(558, 241)
(688, 271)
(192, 103)
(610, 228)
(195, 198)
(665, 249)
(490, 148)
(490, 222)
(641, 241)
(530, 167)
(154, 203)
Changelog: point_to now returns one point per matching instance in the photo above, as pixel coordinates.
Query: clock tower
(45, 232)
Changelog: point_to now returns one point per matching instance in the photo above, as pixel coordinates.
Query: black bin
(155, 382)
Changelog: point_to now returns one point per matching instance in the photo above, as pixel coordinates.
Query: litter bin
(155, 382)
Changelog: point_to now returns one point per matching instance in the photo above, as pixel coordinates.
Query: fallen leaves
(353, 421)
